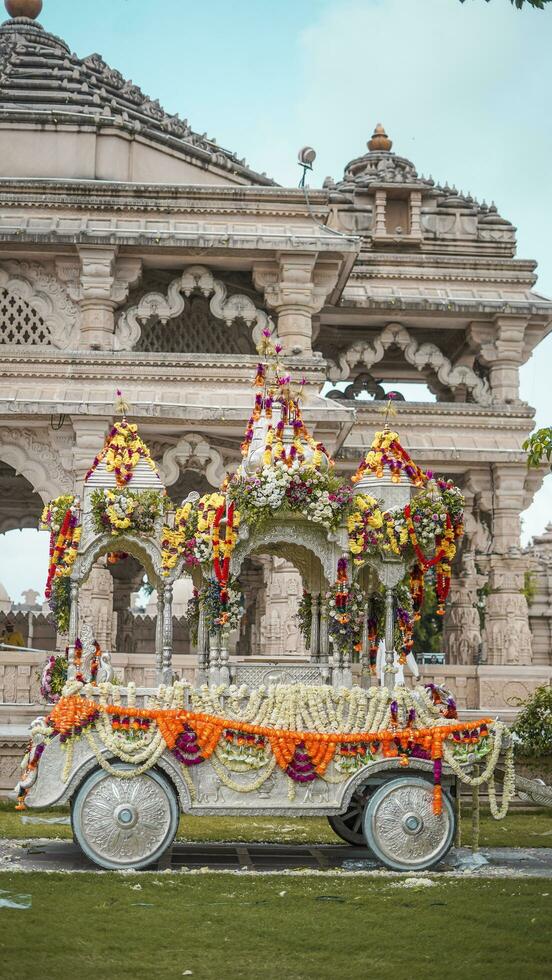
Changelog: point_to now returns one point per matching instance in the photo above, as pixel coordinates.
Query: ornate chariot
(342, 735)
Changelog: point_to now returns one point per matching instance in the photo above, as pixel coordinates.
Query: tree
(538, 446)
(537, 4)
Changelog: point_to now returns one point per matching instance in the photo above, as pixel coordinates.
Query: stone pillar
(501, 348)
(296, 286)
(380, 228)
(96, 605)
(276, 614)
(127, 578)
(73, 631)
(252, 582)
(540, 601)
(315, 628)
(461, 628)
(415, 214)
(365, 640)
(324, 637)
(159, 634)
(99, 282)
(89, 439)
(504, 370)
(507, 638)
(166, 674)
(388, 665)
(224, 669)
(508, 503)
(214, 658)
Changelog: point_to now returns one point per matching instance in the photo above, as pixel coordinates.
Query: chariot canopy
(362, 545)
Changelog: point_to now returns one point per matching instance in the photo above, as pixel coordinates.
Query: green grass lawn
(225, 927)
(531, 828)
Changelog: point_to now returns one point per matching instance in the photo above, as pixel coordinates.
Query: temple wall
(35, 629)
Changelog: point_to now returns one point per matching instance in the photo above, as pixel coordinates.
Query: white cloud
(24, 561)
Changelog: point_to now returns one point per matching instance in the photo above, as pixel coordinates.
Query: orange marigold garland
(194, 736)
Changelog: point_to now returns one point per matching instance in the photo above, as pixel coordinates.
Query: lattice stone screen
(195, 331)
(20, 323)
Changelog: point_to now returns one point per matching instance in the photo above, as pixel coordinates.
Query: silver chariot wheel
(348, 825)
(401, 828)
(125, 823)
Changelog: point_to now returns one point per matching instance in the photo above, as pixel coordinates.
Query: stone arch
(35, 309)
(20, 504)
(195, 452)
(420, 356)
(37, 463)
(145, 551)
(196, 279)
(304, 544)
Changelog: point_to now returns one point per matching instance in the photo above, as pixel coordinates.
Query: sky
(462, 89)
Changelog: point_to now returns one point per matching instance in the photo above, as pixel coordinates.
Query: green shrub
(533, 726)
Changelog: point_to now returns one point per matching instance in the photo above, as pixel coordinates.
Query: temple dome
(5, 601)
(78, 118)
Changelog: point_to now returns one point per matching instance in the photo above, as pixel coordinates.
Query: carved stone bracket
(502, 349)
(32, 283)
(296, 286)
(420, 356)
(99, 282)
(192, 450)
(196, 278)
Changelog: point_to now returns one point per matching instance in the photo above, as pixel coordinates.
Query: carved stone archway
(20, 505)
(36, 461)
(303, 544)
(194, 279)
(421, 356)
(144, 550)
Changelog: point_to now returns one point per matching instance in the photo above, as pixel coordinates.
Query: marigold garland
(122, 451)
(296, 752)
(386, 451)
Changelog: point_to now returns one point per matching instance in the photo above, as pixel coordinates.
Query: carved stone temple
(136, 253)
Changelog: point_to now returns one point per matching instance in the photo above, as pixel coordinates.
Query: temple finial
(23, 8)
(379, 140)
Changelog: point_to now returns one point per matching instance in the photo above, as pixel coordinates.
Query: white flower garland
(496, 744)
(124, 773)
(297, 707)
(508, 787)
(230, 783)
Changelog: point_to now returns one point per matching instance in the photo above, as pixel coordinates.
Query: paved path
(63, 855)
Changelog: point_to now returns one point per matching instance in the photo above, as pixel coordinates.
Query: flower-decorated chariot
(342, 735)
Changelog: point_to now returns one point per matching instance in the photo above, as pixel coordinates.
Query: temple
(137, 254)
